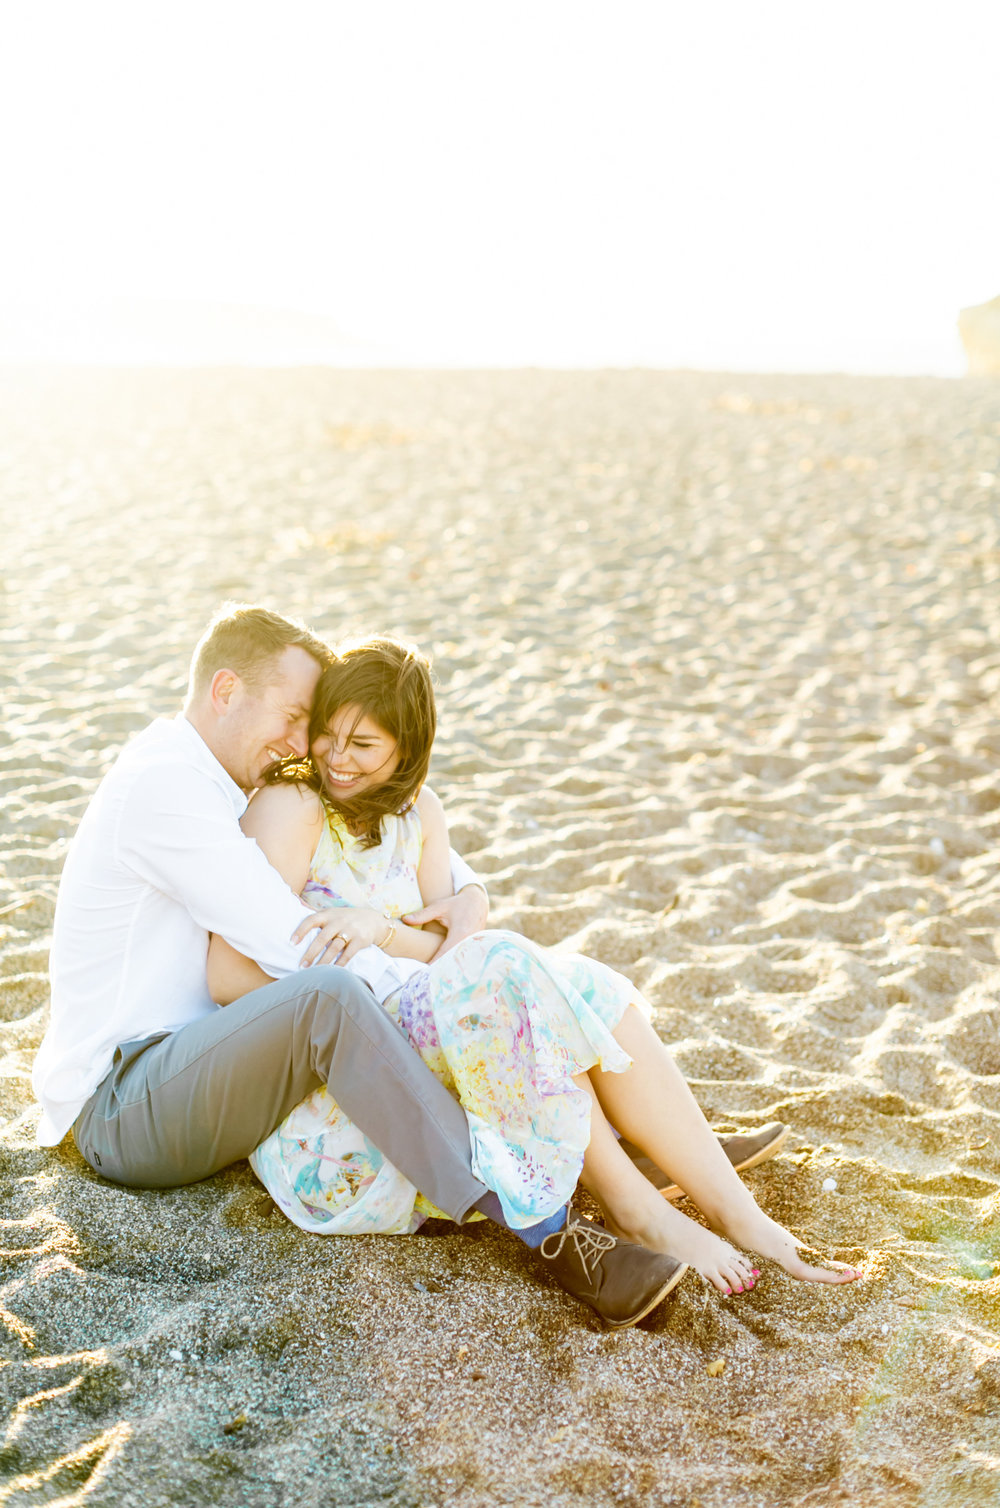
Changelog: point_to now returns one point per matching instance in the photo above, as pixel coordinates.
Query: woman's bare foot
(724, 1267)
(761, 1234)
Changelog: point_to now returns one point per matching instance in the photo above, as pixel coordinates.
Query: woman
(545, 1050)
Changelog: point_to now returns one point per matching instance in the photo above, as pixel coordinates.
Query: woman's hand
(340, 932)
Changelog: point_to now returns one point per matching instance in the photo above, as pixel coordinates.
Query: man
(162, 1087)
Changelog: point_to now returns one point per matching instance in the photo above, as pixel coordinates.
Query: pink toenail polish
(755, 1271)
(729, 1291)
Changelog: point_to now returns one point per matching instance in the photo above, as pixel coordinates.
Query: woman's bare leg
(634, 1210)
(652, 1105)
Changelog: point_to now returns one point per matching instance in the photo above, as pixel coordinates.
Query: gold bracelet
(387, 939)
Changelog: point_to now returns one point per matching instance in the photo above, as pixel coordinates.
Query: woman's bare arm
(452, 916)
(434, 871)
(285, 821)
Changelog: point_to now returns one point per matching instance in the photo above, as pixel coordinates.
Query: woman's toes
(810, 1274)
(737, 1274)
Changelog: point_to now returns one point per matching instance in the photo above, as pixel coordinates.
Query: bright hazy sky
(716, 184)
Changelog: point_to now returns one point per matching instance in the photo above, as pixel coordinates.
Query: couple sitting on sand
(361, 1056)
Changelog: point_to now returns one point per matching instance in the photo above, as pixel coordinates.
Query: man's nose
(298, 738)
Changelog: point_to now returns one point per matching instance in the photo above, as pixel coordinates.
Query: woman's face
(354, 754)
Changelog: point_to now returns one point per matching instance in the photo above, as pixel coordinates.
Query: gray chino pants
(177, 1107)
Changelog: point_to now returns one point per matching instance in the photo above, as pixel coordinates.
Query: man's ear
(223, 686)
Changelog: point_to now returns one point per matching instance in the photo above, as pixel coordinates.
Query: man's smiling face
(270, 721)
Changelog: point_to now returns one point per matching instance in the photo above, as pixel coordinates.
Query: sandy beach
(719, 680)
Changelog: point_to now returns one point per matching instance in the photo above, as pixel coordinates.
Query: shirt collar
(188, 735)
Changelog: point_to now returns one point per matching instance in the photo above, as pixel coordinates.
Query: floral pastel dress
(504, 1024)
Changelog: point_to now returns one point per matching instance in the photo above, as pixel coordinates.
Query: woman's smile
(340, 778)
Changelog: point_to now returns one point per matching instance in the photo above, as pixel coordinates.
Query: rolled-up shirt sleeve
(462, 875)
(183, 838)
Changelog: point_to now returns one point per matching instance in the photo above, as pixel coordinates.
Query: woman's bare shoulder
(428, 804)
(287, 801)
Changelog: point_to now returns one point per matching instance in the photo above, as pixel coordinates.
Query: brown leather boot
(744, 1150)
(620, 1281)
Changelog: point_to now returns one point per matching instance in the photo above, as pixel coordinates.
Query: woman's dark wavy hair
(390, 682)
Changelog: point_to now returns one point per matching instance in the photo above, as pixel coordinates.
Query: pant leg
(179, 1107)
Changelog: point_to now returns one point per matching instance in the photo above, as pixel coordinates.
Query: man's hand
(460, 915)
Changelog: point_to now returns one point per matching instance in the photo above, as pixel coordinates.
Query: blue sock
(532, 1235)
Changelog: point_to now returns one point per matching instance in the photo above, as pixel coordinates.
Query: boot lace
(590, 1243)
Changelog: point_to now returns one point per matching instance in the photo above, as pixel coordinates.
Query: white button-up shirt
(159, 861)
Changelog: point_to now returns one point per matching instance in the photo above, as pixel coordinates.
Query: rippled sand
(719, 664)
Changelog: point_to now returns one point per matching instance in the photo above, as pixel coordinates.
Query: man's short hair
(248, 639)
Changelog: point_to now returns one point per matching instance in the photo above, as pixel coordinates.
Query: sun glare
(720, 186)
